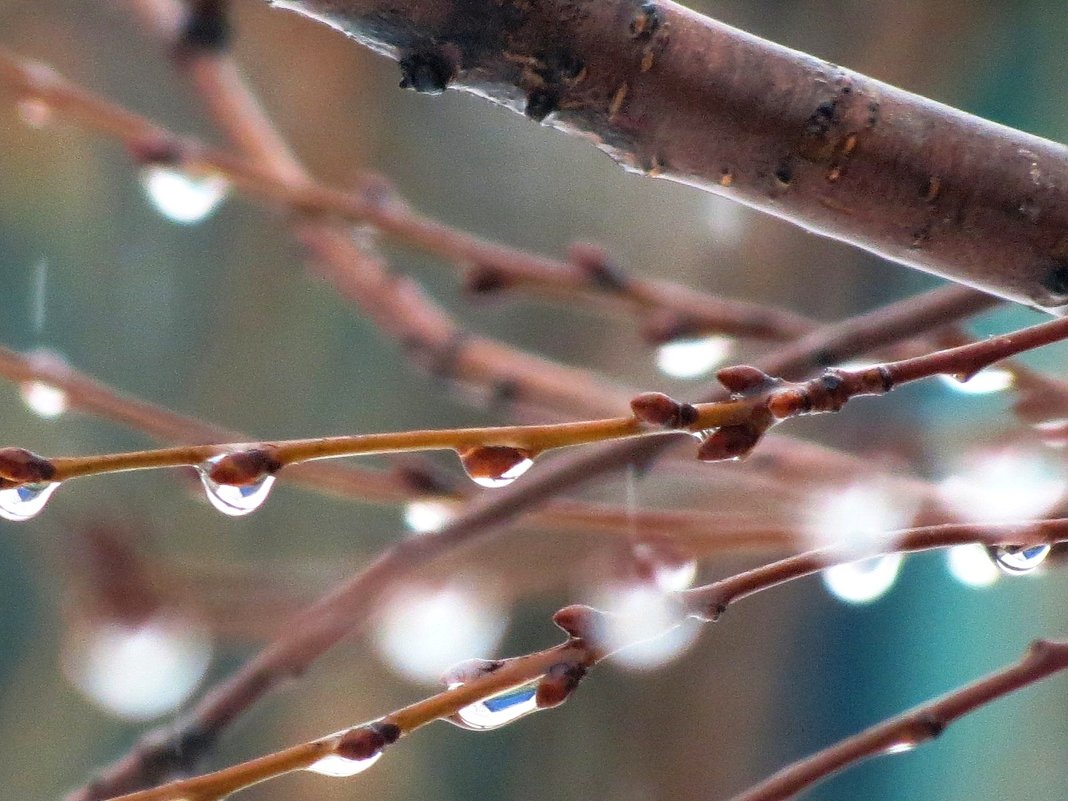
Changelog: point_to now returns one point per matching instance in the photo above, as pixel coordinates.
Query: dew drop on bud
(1018, 560)
(337, 765)
(494, 466)
(25, 500)
(180, 197)
(231, 499)
(499, 710)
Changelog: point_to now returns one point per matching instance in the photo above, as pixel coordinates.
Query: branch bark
(668, 92)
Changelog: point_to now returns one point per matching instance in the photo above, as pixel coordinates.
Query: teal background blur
(221, 321)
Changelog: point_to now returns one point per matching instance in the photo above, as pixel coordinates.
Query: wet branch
(671, 93)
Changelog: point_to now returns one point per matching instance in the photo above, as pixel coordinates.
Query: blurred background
(130, 592)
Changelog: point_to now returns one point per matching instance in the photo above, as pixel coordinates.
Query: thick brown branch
(669, 92)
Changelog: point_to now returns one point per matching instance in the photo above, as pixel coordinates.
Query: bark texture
(668, 92)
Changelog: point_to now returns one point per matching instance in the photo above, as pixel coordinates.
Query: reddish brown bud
(366, 741)
(558, 684)
(580, 621)
(743, 378)
(243, 468)
(21, 466)
(657, 409)
(730, 442)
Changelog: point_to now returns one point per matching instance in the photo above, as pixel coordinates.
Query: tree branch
(668, 92)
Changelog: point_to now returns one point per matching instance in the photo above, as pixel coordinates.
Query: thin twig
(587, 647)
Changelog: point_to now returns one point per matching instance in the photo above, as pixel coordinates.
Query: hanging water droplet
(985, 382)
(668, 568)
(693, 358)
(180, 197)
(26, 500)
(34, 112)
(339, 766)
(1017, 560)
(864, 581)
(231, 499)
(43, 399)
(500, 710)
(495, 466)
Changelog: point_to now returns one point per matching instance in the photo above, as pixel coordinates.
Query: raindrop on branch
(1019, 560)
(339, 766)
(234, 499)
(498, 710)
(25, 501)
(495, 466)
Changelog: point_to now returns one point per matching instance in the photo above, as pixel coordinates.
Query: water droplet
(495, 466)
(985, 382)
(180, 197)
(1018, 560)
(693, 358)
(26, 500)
(35, 112)
(864, 581)
(43, 399)
(426, 517)
(337, 765)
(231, 499)
(499, 710)
(138, 671)
(669, 569)
(971, 565)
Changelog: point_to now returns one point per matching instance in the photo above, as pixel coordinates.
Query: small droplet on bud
(558, 683)
(729, 442)
(1018, 560)
(657, 409)
(495, 466)
(20, 466)
(743, 378)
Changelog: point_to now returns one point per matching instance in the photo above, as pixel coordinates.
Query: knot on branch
(662, 411)
(20, 466)
(482, 279)
(558, 683)
(428, 70)
(244, 468)
(366, 741)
